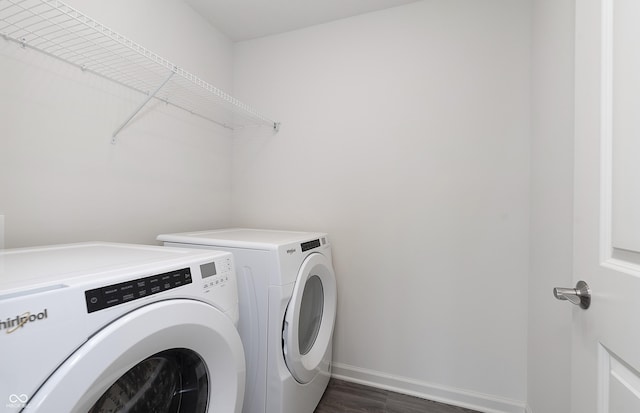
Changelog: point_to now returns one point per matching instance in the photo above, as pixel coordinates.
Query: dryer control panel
(315, 243)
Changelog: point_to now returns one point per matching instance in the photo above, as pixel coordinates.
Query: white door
(606, 337)
(309, 319)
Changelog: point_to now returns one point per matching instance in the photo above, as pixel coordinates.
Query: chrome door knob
(581, 295)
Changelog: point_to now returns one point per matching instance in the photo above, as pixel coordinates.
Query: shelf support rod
(142, 105)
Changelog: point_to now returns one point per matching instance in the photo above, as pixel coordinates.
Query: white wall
(405, 135)
(61, 180)
(549, 355)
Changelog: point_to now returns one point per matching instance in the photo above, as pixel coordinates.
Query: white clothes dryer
(287, 293)
(105, 327)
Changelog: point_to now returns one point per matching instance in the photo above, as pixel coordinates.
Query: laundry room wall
(549, 349)
(61, 179)
(405, 136)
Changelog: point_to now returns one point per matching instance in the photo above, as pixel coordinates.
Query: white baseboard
(456, 397)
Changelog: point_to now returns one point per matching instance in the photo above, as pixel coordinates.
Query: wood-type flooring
(346, 397)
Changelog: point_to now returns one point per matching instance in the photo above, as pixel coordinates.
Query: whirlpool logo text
(11, 325)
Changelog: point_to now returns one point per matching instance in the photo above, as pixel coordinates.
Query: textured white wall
(549, 351)
(61, 180)
(405, 135)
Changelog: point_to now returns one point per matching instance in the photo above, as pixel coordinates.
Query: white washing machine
(104, 327)
(287, 292)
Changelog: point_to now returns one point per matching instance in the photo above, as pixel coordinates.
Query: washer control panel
(115, 294)
(216, 273)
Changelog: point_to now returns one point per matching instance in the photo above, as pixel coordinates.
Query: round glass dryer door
(173, 356)
(310, 317)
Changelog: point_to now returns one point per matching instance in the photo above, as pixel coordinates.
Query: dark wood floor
(346, 397)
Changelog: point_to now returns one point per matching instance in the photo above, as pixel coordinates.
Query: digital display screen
(208, 270)
(309, 245)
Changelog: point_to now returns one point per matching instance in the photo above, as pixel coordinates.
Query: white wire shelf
(61, 31)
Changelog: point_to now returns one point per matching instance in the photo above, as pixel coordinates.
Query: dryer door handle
(285, 331)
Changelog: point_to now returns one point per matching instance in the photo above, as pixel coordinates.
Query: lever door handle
(581, 295)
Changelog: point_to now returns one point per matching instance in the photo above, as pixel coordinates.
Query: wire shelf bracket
(139, 108)
(60, 31)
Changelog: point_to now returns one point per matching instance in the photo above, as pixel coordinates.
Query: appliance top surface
(31, 267)
(242, 237)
